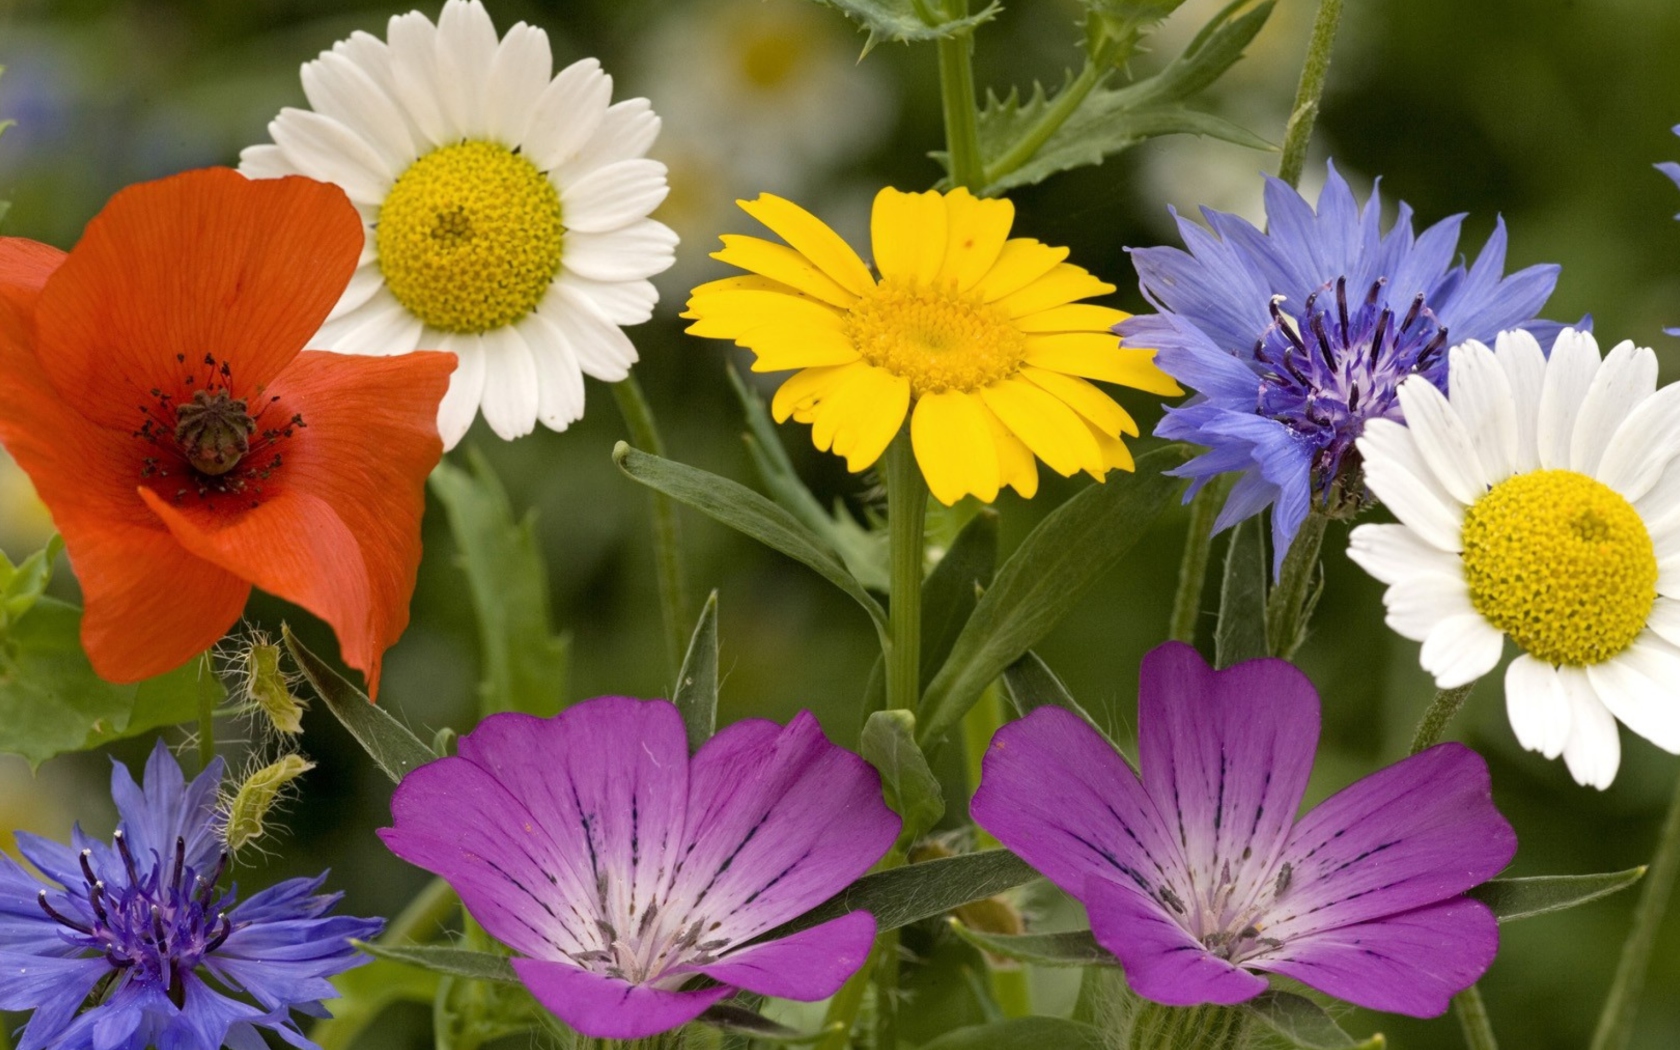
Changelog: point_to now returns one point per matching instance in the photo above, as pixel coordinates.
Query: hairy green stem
(907, 496)
(1436, 717)
(1473, 1018)
(667, 535)
(1156, 1027)
(1286, 609)
(1615, 1023)
(1192, 568)
(1304, 114)
(956, 91)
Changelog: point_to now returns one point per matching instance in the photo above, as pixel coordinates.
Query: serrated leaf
(1023, 1033)
(1240, 633)
(745, 511)
(1304, 1023)
(52, 701)
(951, 590)
(889, 744)
(1041, 949)
(696, 694)
(1513, 899)
(525, 663)
(1069, 551)
(900, 21)
(387, 741)
(900, 896)
(21, 586)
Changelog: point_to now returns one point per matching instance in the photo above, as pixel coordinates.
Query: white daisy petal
(324, 149)
(341, 89)
(559, 377)
(1443, 439)
(1664, 619)
(626, 132)
(1660, 507)
(510, 384)
(1525, 369)
(1626, 378)
(264, 162)
(1482, 398)
(1396, 472)
(1539, 709)
(1569, 374)
(415, 78)
(1594, 751)
(621, 302)
(614, 196)
(1645, 443)
(466, 387)
(1421, 602)
(567, 114)
(1460, 650)
(1641, 687)
(603, 350)
(517, 79)
(1392, 553)
(364, 283)
(466, 49)
(380, 327)
(633, 253)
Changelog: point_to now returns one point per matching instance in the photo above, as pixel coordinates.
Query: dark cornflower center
(212, 444)
(155, 924)
(1333, 365)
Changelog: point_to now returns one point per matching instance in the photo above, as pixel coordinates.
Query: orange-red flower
(154, 386)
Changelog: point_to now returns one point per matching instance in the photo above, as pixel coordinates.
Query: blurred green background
(1548, 111)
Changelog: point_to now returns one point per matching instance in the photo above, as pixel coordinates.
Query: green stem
(422, 918)
(667, 536)
(1473, 1018)
(843, 1008)
(907, 496)
(1156, 1027)
(1028, 145)
(886, 992)
(1286, 609)
(206, 712)
(1440, 712)
(1192, 568)
(1304, 114)
(956, 89)
(1615, 1024)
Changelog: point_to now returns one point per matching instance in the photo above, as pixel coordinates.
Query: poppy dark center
(214, 431)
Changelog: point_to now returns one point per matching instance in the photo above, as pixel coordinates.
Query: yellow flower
(977, 336)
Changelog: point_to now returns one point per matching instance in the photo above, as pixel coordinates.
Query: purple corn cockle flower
(1294, 337)
(622, 869)
(140, 948)
(1197, 872)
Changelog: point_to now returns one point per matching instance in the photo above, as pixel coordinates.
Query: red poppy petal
(151, 606)
(204, 263)
(338, 531)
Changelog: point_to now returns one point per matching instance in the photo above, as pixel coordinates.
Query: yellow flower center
(936, 338)
(469, 238)
(1561, 563)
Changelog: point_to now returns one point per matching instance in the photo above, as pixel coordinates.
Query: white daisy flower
(506, 210)
(1537, 503)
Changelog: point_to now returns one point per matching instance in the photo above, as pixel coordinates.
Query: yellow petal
(1016, 466)
(800, 395)
(954, 446)
(1098, 356)
(729, 315)
(1051, 429)
(1097, 407)
(908, 230)
(1022, 261)
(860, 417)
(812, 238)
(975, 232)
(781, 263)
(1074, 317)
(783, 347)
(1061, 285)
(1116, 456)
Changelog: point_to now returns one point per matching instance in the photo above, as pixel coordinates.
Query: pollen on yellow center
(469, 238)
(1561, 563)
(936, 338)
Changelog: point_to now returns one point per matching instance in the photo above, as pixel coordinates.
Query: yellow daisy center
(469, 238)
(1561, 563)
(936, 338)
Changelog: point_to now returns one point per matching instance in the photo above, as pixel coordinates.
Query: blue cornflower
(1672, 170)
(1293, 338)
(140, 948)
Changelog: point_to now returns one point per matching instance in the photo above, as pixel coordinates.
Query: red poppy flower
(156, 390)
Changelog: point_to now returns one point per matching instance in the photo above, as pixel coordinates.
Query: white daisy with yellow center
(1537, 503)
(506, 209)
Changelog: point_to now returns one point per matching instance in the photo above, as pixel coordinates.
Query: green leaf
(953, 588)
(696, 694)
(1304, 1023)
(747, 512)
(889, 744)
(1030, 684)
(364, 993)
(51, 701)
(1041, 949)
(1241, 631)
(22, 586)
(525, 664)
(1023, 1033)
(900, 896)
(387, 741)
(902, 21)
(453, 962)
(1513, 899)
(1069, 551)
(745, 1022)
